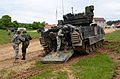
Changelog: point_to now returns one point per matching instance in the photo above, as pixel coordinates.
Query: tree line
(6, 22)
(113, 22)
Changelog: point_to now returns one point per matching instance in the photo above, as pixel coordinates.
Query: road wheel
(99, 43)
(94, 46)
(87, 48)
(91, 48)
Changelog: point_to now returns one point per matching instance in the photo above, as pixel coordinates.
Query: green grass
(98, 67)
(34, 34)
(44, 75)
(61, 75)
(113, 37)
(38, 64)
(4, 38)
(50, 74)
(113, 47)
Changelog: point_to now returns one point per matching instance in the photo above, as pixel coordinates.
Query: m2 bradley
(75, 32)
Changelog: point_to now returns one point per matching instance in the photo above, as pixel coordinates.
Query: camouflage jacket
(17, 39)
(26, 36)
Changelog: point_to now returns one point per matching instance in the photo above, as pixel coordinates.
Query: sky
(27, 11)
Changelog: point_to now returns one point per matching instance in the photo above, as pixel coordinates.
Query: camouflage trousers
(16, 49)
(25, 45)
(58, 43)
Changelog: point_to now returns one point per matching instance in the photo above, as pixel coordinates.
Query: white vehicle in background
(21, 29)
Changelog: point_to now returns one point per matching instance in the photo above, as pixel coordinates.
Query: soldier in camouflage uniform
(53, 40)
(64, 37)
(16, 40)
(59, 39)
(25, 43)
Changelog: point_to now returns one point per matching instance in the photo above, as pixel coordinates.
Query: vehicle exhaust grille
(75, 38)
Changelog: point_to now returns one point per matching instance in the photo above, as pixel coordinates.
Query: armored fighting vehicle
(82, 36)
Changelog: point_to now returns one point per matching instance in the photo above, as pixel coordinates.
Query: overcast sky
(27, 11)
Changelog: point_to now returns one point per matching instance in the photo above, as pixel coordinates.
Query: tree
(113, 22)
(15, 24)
(5, 22)
(44, 23)
(36, 25)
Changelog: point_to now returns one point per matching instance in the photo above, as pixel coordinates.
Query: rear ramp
(57, 57)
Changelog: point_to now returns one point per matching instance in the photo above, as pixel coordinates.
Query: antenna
(63, 7)
(56, 15)
(72, 9)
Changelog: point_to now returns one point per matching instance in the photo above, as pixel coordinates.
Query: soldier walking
(16, 40)
(25, 43)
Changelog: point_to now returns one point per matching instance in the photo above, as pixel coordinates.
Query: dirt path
(6, 53)
(109, 30)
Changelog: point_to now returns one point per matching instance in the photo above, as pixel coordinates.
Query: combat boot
(65, 50)
(16, 59)
(23, 59)
(23, 56)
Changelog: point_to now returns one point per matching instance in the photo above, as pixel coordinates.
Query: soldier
(64, 37)
(67, 37)
(53, 40)
(25, 43)
(16, 40)
(11, 31)
(59, 39)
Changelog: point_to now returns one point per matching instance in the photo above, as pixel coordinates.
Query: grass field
(34, 34)
(52, 74)
(4, 38)
(113, 47)
(113, 37)
(98, 67)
